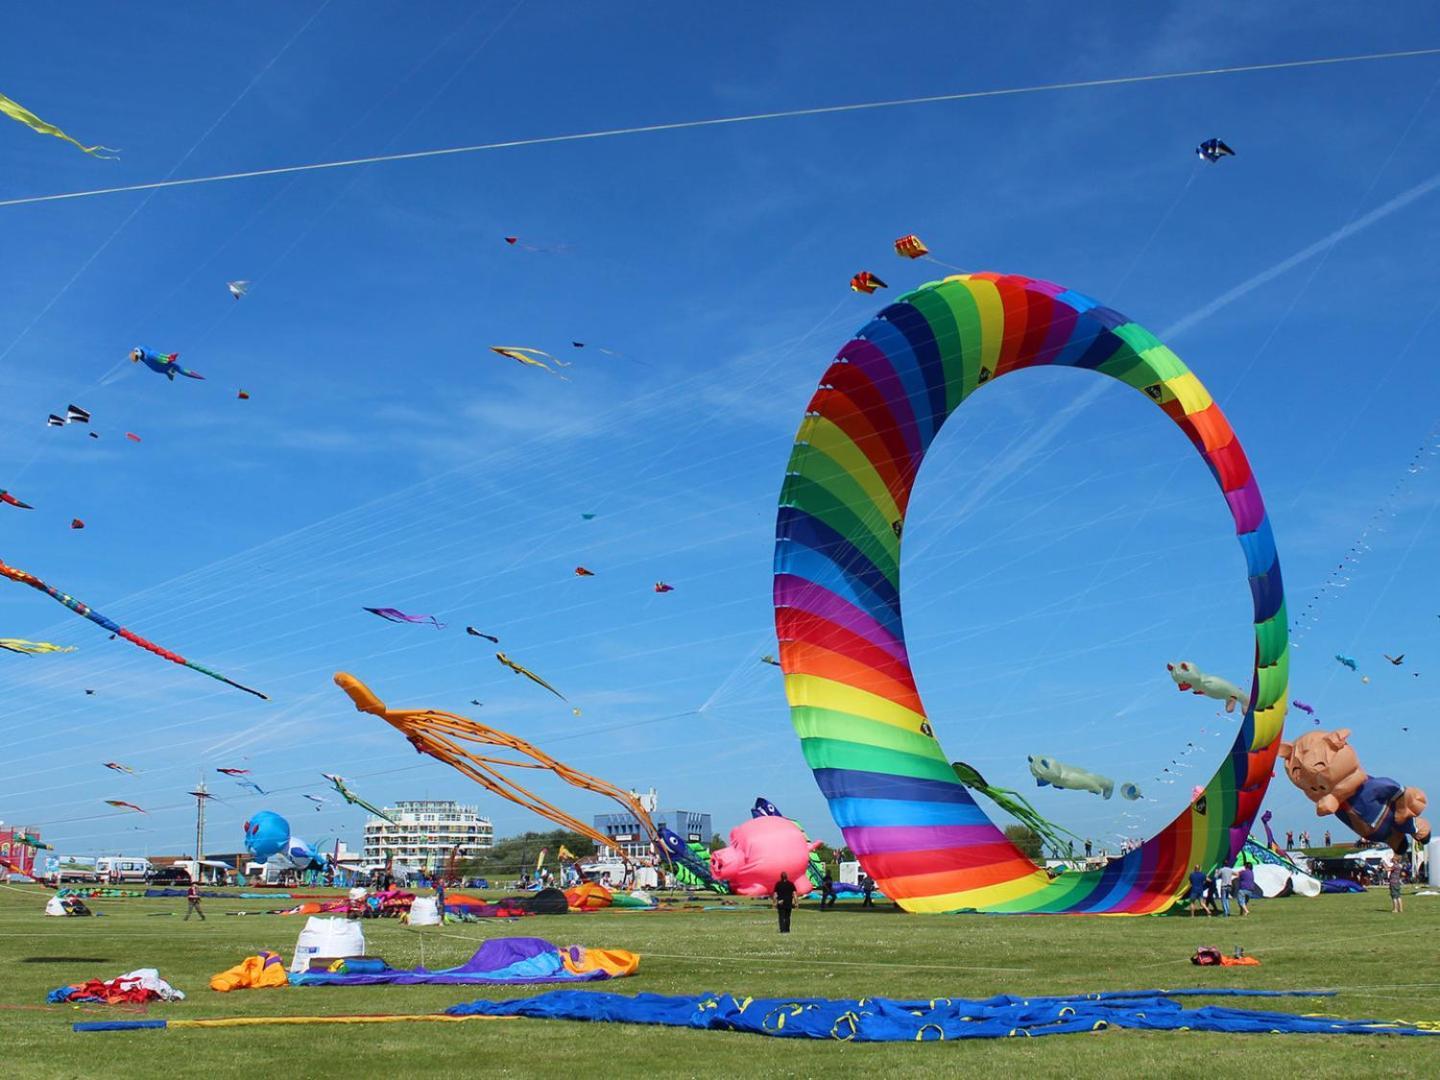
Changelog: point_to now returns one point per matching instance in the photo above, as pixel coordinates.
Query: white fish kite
(1189, 677)
(1048, 772)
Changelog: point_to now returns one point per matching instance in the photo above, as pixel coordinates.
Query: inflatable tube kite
(853, 700)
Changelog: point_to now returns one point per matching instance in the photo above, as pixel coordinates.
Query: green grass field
(1385, 967)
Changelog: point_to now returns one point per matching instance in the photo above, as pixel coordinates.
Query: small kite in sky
(73, 415)
(243, 395)
(530, 357)
(395, 615)
(769, 659)
(661, 586)
(16, 111)
(911, 246)
(32, 648)
(476, 633)
(520, 669)
(318, 800)
(587, 517)
(167, 364)
(76, 523)
(6, 497)
(252, 786)
(1396, 660)
(476, 701)
(233, 772)
(580, 571)
(201, 795)
(1189, 677)
(1212, 150)
(121, 803)
(1307, 709)
(238, 288)
(866, 282)
(355, 800)
(1348, 661)
(132, 436)
(115, 766)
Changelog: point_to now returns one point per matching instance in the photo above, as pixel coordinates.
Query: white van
(114, 869)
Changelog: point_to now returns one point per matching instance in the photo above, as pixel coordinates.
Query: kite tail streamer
(16, 111)
(18, 575)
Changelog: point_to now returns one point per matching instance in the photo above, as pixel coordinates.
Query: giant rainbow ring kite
(914, 827)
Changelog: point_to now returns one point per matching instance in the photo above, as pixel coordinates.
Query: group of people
(1304, 838)
(1212, 893)
(785, 893)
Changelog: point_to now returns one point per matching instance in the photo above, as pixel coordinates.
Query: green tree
(1027, 840)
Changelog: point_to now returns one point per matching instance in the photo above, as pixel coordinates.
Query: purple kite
(501, 961)
(396, 615)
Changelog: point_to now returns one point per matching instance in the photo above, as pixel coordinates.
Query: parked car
(170, 875)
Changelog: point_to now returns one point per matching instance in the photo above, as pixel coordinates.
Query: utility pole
(200, 794)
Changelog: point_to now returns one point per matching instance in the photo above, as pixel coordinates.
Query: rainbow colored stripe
(853, 700)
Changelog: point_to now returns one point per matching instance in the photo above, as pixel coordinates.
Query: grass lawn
(1386, 967)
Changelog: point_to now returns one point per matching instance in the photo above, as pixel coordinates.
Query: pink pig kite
(759, 851)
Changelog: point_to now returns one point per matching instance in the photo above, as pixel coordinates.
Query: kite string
(685, 125)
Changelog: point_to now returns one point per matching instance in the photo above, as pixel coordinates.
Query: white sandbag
(425, 911)
(327, 939)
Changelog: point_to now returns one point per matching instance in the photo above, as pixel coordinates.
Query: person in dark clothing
(192, 903)
(1089, 848)
(867, 886)
(1197, 892)
(784, 893)
(440, 897)
(827, 891)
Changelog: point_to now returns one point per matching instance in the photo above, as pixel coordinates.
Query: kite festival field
(1384, 967)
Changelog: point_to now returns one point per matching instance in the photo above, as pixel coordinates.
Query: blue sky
(1064, 542)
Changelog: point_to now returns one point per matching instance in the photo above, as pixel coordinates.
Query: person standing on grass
(867, 886)
(784, 900)
(1245, 888)
(1289, 839)
(192, 903)
(440, 897)
(827, 891)
(1197, 892)
(1327, 837)
(1224, 878)
(1396, 878)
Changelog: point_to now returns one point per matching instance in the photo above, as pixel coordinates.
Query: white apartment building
(425, 832)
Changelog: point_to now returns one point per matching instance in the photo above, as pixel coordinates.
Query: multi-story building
(425, 833)
(629, 835)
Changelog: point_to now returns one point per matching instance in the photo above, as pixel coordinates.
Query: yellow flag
(565, 853)
(16, 111)
(541, 860)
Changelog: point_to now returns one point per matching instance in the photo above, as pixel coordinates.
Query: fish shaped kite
(233, 772)
(167, 364)
(238, 288)
(11, 500)
(122, 804)
(866, 282)
(32, 648)
(116, 630)
(115, 766)
(520, 669)
(531, 358)
(443, 736)
(16, 111)
(1348, 661)
(355, 800)
(1047, 772)
(395, 615)
(1308, 710)
(1188, 677)
(476, 633)
(580, 571)
(1396, 660)
(911, 246)
(1212, 150)
(661, 586)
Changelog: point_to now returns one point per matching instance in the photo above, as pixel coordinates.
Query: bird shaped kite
(866, 282)
(16, 111)
(441, 735)
(476, 633)
(355, 800)
(167, 364)
(580, 571)
(11, 500)
(238, 288)
(911, 247)
(1212, 150)
(661, 586)
(122, 804)
(32, 648)
(1189, 677)
(116, 630)
(395, 615)
(1348, 661)
(115, 766)
(531, 358)
(520, 669)
(1396, 660)
(233, 772)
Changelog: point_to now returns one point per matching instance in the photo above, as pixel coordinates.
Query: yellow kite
(16, 111)
(32, 648)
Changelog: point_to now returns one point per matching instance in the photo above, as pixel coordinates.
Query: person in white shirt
(1224, 878)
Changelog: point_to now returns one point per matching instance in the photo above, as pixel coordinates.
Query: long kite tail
(18, 575)
(188, 373)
